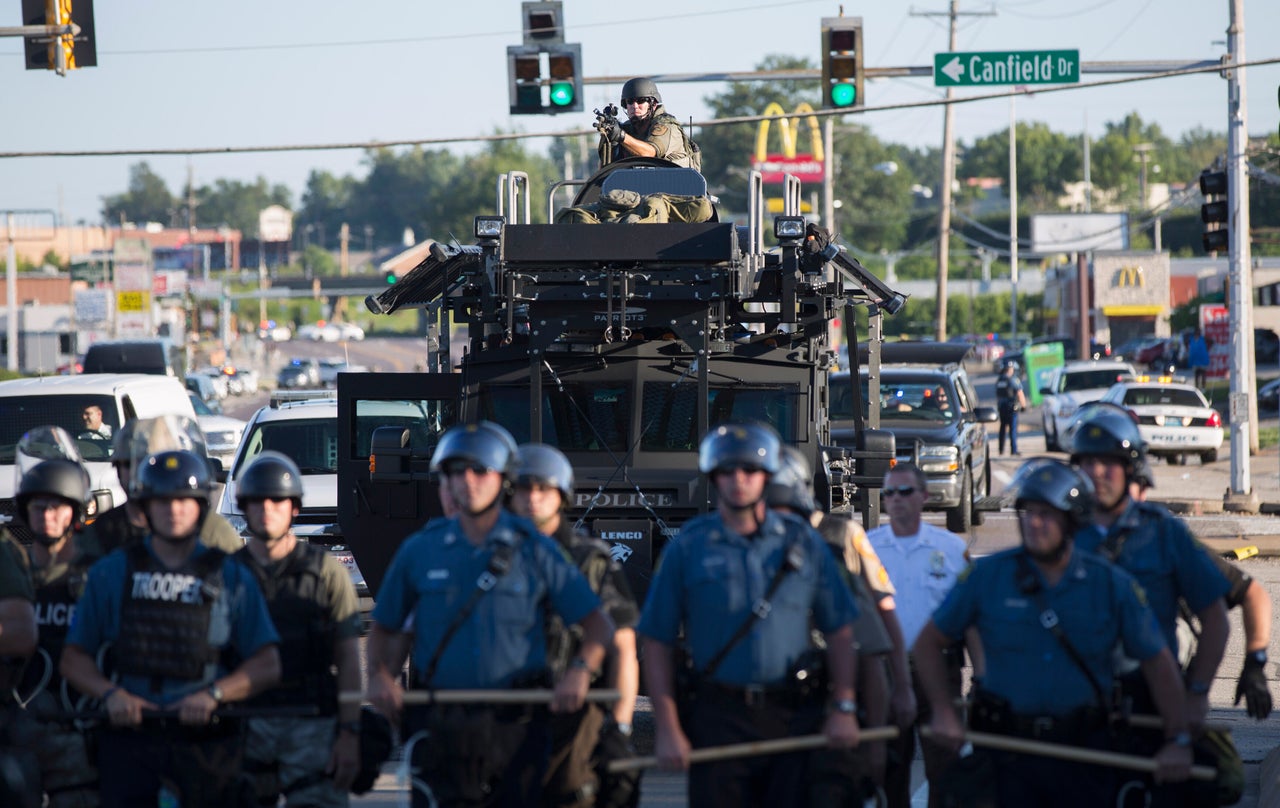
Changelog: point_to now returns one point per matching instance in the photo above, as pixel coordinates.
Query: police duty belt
(776, 746)
(1076, 754)
(530, 696)
(1134, 721)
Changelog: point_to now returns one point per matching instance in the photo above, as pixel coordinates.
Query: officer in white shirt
(923, 562)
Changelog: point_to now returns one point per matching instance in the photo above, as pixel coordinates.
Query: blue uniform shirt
(1157, 548)
(434, 574)
(1098, 605)
(240, 620)
(709, 579)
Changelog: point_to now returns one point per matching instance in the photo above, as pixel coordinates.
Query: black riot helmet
(545, 465)
(1107, 430)
(173, 475)
(484, 444)
(641, 88)
(792, 485)
(1057, 485)
(271, 475)
(731, 446)
(65, 479)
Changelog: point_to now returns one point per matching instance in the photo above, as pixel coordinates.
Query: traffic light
(566, 79)
(42, 53)
(524, 75)
(842, 68)
(391, 277)
(1214, 212)
(525, 79)
(543, 23)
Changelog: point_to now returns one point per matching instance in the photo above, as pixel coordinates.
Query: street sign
(991, 68)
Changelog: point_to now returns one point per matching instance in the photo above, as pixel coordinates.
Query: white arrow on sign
(953, 68)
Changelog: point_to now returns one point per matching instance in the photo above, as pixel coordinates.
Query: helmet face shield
(41, 444)
(486, 445)
(1108, 431)
(731, 446)
(792, 485)
(166, 433)
(1056, 484)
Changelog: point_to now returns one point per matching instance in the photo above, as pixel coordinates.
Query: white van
(62, 401)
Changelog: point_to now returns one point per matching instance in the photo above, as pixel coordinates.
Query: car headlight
(939, 459)
(1067, 409)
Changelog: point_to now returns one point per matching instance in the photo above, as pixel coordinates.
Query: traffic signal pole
(1243, 407)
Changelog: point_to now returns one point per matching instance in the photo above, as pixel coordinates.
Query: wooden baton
(776, 746)
(531, 696)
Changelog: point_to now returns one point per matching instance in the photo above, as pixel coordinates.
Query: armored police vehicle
(621, 344)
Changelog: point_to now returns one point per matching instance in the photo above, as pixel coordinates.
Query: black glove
(619, 789)
(612, 131)
(817, 249)
(1252, 687)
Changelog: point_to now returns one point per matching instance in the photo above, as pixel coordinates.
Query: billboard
(1079, 232)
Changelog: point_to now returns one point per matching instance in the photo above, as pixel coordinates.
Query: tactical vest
(1006, 396)
(592, 559)
(690, 147)
(55, 605)
(165, 616)
(299, 608)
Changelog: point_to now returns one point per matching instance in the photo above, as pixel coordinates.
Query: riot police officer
(175, 614)
(649, 131)
(1153, 545)
(309, 760)
(542, 489)
(124, 524)
(744, 582)
(1049, 617)
(51, 501)
(481, 587)
(19, 769)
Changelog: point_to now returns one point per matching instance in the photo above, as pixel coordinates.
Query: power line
(821, 113)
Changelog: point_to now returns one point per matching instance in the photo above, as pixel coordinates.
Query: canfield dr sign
(991, 68)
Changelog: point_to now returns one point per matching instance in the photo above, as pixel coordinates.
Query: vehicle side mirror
(219, 473)
(1045, 391)
(101, 503)
(986, 415)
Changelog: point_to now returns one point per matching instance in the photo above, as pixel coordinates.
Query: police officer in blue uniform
(188, 631)
(1154, 546)
(1049, 617)
(52, 500)
(744, 640)
(480, 587)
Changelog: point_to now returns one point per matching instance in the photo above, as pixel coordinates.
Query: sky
(243, 72)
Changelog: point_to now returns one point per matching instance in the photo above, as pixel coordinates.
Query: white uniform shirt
(923, 569)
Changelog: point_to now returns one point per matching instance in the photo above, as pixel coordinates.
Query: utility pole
(1243, 407)
(948, 168)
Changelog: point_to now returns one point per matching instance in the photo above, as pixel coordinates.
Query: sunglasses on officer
(743, 467)
(460, 467)
(644, 99)
(902, 490)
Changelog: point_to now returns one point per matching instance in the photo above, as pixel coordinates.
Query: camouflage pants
(67, 775)
(287, 756)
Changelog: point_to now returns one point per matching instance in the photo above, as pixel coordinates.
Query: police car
(1174, 417)
(1071, 386)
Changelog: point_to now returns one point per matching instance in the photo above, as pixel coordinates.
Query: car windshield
(1099, 379)
(1169, 396)
(582, 417)
(921, 400)
(90, 419)
(312, 443)
(670, 413)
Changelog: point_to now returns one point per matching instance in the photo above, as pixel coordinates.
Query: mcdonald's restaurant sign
(1130, 276)
(776, 165)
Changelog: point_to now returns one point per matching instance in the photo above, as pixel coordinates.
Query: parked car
(1131, 349)
(1071, 386)
(1174, 418)
(299, 373)
(220, 381)
(1269, 396)
(1098, 350)
(155, 356)
(221, 432)
(331, 367)
(928, 402)
(202, 386)
(1266, 346)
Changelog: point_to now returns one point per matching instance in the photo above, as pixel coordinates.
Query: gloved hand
(1252, 687)
(619, 789)
(612, 131)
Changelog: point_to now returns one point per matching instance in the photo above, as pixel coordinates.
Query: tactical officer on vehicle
(845, 776)
(309, 760)
(745, 582)
(176, 615)
(542, 490)
(1010, 400)
(1049, 618)
(19, 769)
(649, 131)
(51, 502)
(125, 524)
(1255, 615)
(481, 587)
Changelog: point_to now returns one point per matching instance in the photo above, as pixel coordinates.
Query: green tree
(237, 204)
(471, 189)
(1046, 161)
(325, 201)
(147, 200)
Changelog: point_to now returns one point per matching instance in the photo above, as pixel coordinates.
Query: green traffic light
(843, 95)
(561, 93)
(391, 277)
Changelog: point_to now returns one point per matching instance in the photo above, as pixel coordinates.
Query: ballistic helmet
(271, 475)
(1108, 431)
(730, 446)
(792, 485)
(641, 88)
(1057, 485)
(485, 444)
(173, 475)
(65, 479)
(544, 465)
